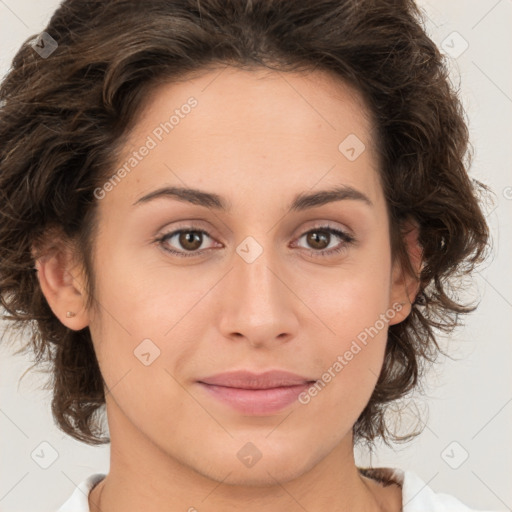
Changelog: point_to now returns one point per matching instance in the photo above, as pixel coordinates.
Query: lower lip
(256, 401)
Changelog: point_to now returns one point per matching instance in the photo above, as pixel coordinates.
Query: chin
(273, 466)
(265, 475)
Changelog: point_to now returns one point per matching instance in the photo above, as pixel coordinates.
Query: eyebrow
(301, 202)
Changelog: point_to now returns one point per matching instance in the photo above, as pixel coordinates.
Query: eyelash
(346, 238)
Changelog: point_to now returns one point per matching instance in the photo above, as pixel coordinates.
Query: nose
(258, 304)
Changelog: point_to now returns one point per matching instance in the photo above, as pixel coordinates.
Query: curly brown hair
(64, 120)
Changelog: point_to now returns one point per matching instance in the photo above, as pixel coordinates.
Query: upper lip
(248, 380)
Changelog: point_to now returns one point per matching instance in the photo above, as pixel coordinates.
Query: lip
(256, 393)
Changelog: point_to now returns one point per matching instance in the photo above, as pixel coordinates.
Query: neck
(120, 492)
(144, 477)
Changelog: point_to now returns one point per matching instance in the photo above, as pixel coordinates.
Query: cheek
(351, 361)
(352, 297)
(355, 314)
(147, 297)
(144, 326)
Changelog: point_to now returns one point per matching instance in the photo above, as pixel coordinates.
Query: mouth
(256, 394)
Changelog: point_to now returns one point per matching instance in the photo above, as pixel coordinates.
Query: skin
(257, 138)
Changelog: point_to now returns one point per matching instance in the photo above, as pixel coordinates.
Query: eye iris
(190, 240)
(316, 237)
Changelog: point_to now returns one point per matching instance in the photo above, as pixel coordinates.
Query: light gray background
(469, 400)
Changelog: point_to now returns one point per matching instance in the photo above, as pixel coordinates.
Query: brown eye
(184, 241)
(318, 239)
(190, 240)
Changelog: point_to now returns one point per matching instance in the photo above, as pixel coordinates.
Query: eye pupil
(318, 237)
(190, 240)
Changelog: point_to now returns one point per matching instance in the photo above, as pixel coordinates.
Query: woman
(235, 224)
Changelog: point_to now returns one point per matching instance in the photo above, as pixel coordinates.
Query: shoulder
(79, 500)
(417, 496)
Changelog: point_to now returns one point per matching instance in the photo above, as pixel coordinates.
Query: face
(253, 277)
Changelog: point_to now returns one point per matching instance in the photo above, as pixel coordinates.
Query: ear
(406, 281)
(62, 284)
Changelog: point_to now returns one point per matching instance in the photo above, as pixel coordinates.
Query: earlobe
(61, 285)
(406, 281)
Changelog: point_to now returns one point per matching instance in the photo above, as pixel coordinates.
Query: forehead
(239, 131)
(307, 104)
